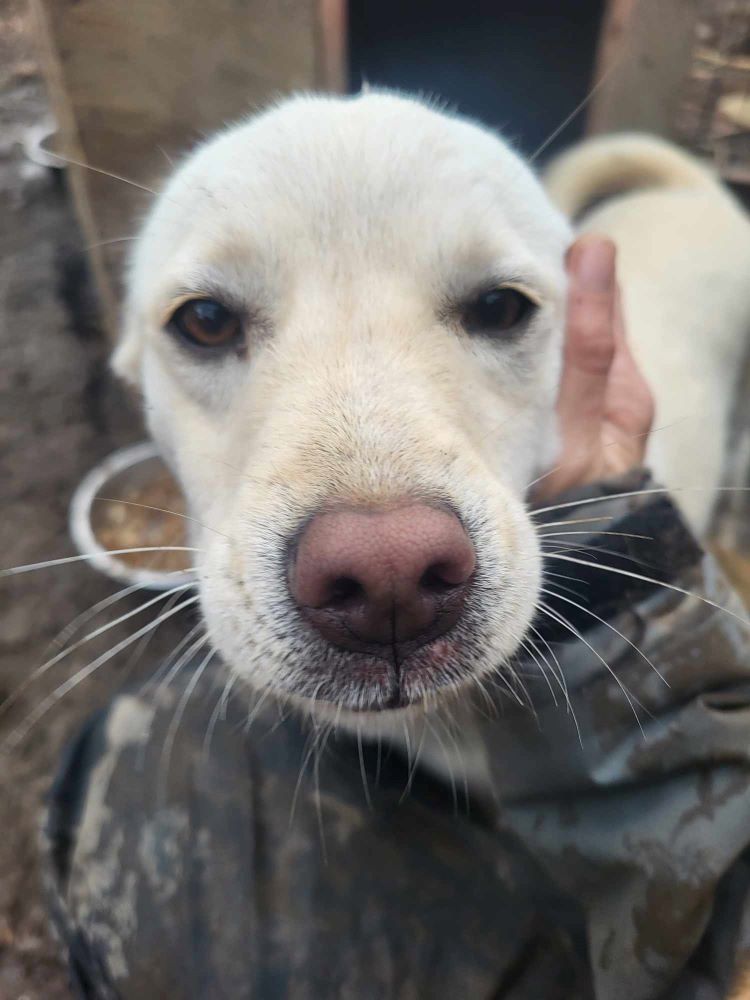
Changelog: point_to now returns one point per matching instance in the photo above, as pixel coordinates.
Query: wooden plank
(135, 84)
(333, 47)
(645, 53)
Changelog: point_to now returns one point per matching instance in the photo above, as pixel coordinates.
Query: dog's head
(346, 318)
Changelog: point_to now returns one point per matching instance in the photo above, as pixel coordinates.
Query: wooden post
(644, 56)
(134, 84)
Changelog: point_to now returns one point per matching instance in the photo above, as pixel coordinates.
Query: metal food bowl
(106, 516)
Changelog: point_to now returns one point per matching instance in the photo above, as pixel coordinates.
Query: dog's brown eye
(206, 323)
(497, 311)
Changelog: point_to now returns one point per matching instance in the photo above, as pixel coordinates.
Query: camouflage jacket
(612, 860)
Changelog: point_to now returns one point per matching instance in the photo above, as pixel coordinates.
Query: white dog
(346, 318)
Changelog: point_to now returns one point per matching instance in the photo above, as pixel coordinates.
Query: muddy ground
(61, 411)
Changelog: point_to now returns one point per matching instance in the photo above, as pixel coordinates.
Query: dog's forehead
(372, 176)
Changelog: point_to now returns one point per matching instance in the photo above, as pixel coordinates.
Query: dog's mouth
(378, 682)
(363, 681)
(427, 669)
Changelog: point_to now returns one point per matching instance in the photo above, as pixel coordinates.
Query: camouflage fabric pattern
(608, 862)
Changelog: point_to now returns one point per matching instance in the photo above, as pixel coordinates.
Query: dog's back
(684, 263)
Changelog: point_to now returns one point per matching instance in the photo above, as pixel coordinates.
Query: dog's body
(683, 262)
(353, 237)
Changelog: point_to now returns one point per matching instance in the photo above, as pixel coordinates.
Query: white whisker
(566, 576)
(575, 112)
(174, 725)
(306, 757)
(111, 242)
(531, 650)
(42, 670)
(579, 520)
(362, 768)
(138, 650)
(563, 683)
(170, 658)
(632, 702)
(256, 709)
(18, 734)
(413, 768)
(219, 712)
(639, 493)
(318, 802)
(72, 627)
(560, 675)
(185, 658)
(30, 567)
(581, 607)
(648, 579)
(592, 551)
(459, 757)
(104, 173)
(448, 762)
(618, 534)
(162, 510)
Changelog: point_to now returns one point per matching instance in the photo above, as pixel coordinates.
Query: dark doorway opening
(519, 67)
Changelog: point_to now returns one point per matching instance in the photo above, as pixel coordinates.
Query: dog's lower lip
(435, 652)
(427, 656)
(422, 671)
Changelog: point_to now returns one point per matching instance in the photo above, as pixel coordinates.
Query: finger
(629, 402)
(589, 336)
(618, 322)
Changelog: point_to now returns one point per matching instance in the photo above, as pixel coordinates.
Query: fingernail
(595, 265)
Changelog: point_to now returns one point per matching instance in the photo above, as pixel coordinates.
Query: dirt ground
(60, 412)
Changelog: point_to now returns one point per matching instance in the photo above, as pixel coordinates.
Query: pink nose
(384, 577)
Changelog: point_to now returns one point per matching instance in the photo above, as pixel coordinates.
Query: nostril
(344, 592)
(438, 580)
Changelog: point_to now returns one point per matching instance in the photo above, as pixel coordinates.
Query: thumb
(589, 336)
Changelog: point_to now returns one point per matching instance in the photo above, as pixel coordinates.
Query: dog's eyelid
(183, 295)
(518, 286)
(460, 298)
(456, 303)
(167, 312)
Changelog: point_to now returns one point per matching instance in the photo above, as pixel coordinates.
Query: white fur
(684, 265)
(344, 228)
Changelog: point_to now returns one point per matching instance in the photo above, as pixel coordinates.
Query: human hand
(605, 408)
